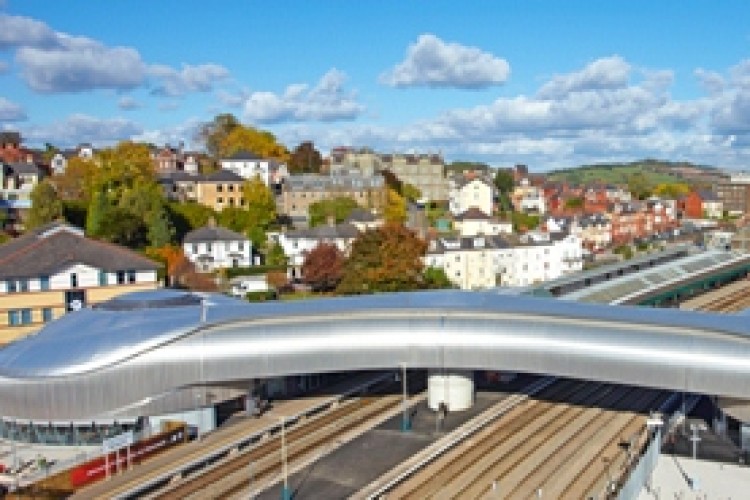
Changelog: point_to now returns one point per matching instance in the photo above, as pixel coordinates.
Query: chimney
(331, 220)
(29, 158)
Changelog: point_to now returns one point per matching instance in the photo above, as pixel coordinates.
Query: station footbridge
(154, 353)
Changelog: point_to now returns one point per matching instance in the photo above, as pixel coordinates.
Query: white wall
(220, 251)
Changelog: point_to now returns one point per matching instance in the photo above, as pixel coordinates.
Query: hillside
(655, 172)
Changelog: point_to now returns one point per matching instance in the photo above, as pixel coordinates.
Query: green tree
(386, 259)
(45, 205)
(261, 207)
(435, 277)
(503, 181)
(574, 203)
(97, 211)
(339, 208)
(185, 217)
(260, 142)
(275, 256)
(671, 190)
(124, 228)
(236, 218)
(123, 168)
(524, 222)
(159, 229)
(323, 267)
(410, 192)
(639, 186)
(305, 159)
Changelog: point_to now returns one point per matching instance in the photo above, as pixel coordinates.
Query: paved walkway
(711, 480)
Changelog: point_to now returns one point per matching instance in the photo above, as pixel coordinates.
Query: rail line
(554, 444)
(263, 463)
(731, 298)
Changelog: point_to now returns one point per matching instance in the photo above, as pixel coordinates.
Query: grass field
(655, 173)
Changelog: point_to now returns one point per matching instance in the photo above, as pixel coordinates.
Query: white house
(464, 194)
(212, 247)
(529, 198)
(249, 165)
(297, 244)
(476, 222)
(476, 262)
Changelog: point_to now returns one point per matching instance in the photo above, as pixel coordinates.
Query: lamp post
(405, 423)
(286, 493)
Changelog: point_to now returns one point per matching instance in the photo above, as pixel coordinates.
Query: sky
(549, 84)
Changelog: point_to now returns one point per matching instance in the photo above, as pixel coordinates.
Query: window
(120, 277)
(44, 282)
(231, 201)
(227, 246)
(220, 200)
(25, 316)
(73, 280)
(47, 314)
(23, 285)
(219, 188)
(209, 248)
(241, 246)
(231, 188)
(195, 248)
(14, 317)
(11, 286)
(131, 276)
(102, 278)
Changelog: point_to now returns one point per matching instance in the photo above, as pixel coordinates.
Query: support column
(455, 388)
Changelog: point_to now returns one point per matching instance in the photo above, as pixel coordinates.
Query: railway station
(573, 375)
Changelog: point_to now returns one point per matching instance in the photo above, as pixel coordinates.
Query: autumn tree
(385, 259)
(45, 205)
(639, 186)
(395, 208)
(339, 208)
(323, 266)
(671, 190)
(213, 133)
(76, 183)
(305, 159)
(123, 167)
(275, 256)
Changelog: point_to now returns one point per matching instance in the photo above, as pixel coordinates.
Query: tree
(76, 184)
(45, 205)
(671, 190)
(123, 167)
(435, 277)
(323, 267)
(504, 181)
(188, 216)
(395, 208)
(124, 228)
(213, 133)
(385, 259)
(524, 222)
(339, 208)
(159, 229)
(574, 203)
(261, 207)
(260, 142)
(639, 186)
(236, 218)
(97, 210)
(305, 159)
(410, 192)
(275, 256)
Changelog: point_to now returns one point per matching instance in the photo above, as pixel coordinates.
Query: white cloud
(79, 128)
(606, 73)
(10, 111)
(233, 99)
(128, 103)
(434, 63)
(327, 101)
(23, 31)
(200, 78)
(182, 133)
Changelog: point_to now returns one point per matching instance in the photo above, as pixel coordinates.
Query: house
(168, 159)
(213, 247)
(477, 262)
(17, 180)
(466, 193)
(10, 147)
(529, 198)
(363, 219)
(476, 222)
(249, 165)
(55, 269)
(701, 204)
(220, 190)
(296, 244)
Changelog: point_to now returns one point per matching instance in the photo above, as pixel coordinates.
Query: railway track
(732, 298)
(263, 463)
(555, 443)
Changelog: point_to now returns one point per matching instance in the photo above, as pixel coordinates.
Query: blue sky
(546, 83)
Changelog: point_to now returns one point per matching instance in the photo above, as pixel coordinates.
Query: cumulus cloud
(327, 101)
(127, 103)
(10, 111)
(233, 99)
(200, 78)
(432, 62)
(606, 73)
(79, 128)
(181, 133)
(56, 62)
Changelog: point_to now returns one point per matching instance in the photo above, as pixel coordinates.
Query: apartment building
(301, 191)
(476, 222)
(424, 171)
(219, 190)
(55, 269)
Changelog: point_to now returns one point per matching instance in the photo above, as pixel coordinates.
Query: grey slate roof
(24, 168)
(56, 246)
(221, 176)
(473, 213)
(213, 233)
(361, 215)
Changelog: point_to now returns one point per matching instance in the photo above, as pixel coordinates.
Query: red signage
(96, 469)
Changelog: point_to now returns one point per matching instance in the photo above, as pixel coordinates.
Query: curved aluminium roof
(151, 353)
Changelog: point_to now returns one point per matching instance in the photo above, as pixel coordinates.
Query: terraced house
(55, 269)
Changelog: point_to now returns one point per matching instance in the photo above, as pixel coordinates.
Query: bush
(261, 296)
(233, 272)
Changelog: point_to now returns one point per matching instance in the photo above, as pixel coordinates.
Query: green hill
(655, 172)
